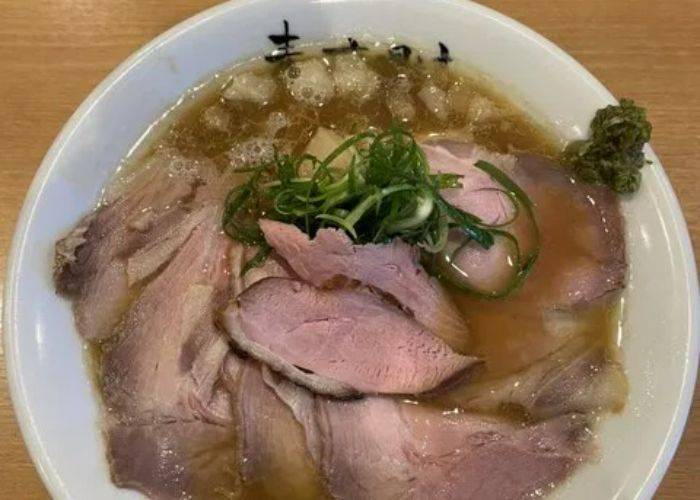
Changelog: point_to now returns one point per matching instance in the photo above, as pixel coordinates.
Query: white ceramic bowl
(53, 398)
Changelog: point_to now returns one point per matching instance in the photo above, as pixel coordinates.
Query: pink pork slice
(340, 341)
(601, 237)
(392, 268)
(378, 448)
(144, 220)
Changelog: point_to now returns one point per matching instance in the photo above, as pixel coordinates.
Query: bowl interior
(53, 397)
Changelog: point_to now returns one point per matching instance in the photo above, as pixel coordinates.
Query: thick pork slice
(579, 377)
(596, 264)
(379, 448)
(273, 456)
(165, 377)
(479, 194)
(91, 262)
(189, 459)
(302, 403)
(169, 350)
(391, 268)
(340, 341)
(601, 238)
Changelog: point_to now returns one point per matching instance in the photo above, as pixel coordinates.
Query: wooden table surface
(53, 52)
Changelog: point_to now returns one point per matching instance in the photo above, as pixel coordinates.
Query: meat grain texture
(391, 268)
(353, 341)
(91, 260)
(379, 447)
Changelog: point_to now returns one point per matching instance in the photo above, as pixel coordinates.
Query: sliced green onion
(491, 273)
(525, 222)
(339, 221)
(423, 210)
(386, 192)
(258, 259)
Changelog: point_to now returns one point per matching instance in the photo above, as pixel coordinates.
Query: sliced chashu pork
(601, 266)
(188, 459)
(603, 274)
(302, 403)
(579, 377)
(391, 268)
(379, 447)
(274, 459)
(341, 341)
(581, 266)
(91, 262)
(169, 417)
(168, 343)
(271, 452)
(169, 460)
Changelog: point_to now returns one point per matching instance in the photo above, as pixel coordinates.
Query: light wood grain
(53, 52)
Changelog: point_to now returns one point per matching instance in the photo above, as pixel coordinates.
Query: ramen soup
(349, 272)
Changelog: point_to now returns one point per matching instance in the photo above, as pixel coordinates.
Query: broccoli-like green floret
(613, 154)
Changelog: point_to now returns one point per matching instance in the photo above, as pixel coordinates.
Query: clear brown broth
(509, 334)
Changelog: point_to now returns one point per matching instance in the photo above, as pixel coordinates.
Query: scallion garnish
(387, 191)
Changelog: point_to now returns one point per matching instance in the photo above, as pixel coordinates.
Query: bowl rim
(16, 384)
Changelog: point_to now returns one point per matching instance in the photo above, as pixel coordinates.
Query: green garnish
(386, 192)
(443, 264)
(613, 154)
(258, 259)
